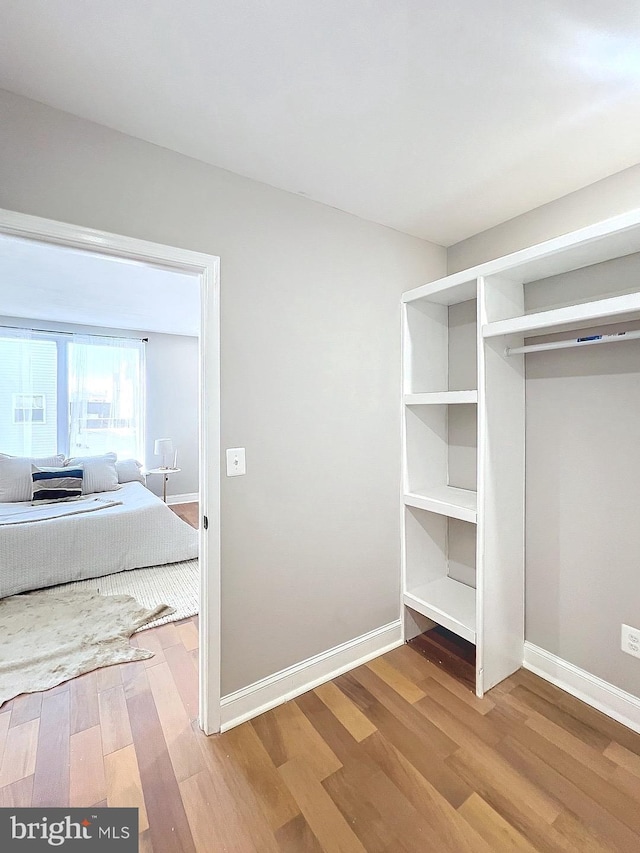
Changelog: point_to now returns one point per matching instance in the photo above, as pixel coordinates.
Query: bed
(129, 528)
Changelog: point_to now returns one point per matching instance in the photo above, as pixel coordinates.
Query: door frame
(207, 268)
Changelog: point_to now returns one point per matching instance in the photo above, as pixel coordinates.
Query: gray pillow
(129, 471)
(15, 475)
(99, 472)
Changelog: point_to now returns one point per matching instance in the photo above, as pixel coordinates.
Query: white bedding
(137, 532)
(26, 513)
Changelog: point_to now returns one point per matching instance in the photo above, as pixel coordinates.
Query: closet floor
(394, 756)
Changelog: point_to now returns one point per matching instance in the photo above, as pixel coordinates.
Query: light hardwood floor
(395, 756)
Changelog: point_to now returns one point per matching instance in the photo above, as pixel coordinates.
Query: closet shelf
(441, 398)
(448, 602)
(608, 310)
(446, 500)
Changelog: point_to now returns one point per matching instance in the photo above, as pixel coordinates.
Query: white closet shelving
(464, 435)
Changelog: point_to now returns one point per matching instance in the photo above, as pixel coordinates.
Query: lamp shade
(164, 447)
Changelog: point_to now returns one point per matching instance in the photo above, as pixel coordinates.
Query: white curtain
(28, 394)
(106, 396)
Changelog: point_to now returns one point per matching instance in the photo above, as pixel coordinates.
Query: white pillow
(15, 475)
(99, 472)
(129, 471)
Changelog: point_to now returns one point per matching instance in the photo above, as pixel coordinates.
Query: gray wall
(310, 371)
(608, 197)
(583, 452)
(172, 408)
(172, 396)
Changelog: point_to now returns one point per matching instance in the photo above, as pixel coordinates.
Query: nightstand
(166, 472)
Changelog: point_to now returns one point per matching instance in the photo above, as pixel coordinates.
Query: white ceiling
(437, 118)
(45, 282)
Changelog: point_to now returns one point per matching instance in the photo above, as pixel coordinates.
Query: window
(78, 395)
(29, 408)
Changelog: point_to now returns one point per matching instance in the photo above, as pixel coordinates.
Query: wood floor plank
(594, 720)
(414, 665)
(567, 792)
(573, 725)
(150, 641)
(512, 804)
(454, 708)
(145, 844)
(182, 670)
(344, 710)
(491, 774)
(199, 801)
(405, 712)
(332, 732)
(87, 781)
(109, 677)
(627, 782)
(188, 634)
(84, 702)
(496, 831)
(394, 757)
(352, 790)
(581, 838)
(396, 680)
(170, 832)
(168, 635)
(235, 796)
(325, 819)
(114, 719)
(26, 707)
(450, 829)
(297, 836)
(213, 818)
(248, 751)
(449, 653)
(20, 750)
(185, 754)
(286, 734)
(573, 746)
(124, 785)
(614, 801)
(51, 777)
(421, 753)
(623, 757)
(5, 720)
(17, 795)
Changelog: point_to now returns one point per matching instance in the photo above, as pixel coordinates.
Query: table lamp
(164, 448)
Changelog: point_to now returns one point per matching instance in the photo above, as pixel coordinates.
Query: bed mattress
(139, 531)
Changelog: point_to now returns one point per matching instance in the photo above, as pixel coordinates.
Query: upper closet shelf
(441, 398)
(608, 310)
(445, 291)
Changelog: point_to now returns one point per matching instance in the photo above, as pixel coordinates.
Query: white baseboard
(605, 697)
(190, 498)
(282, 686)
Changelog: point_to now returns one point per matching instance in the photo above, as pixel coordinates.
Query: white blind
(28, 378)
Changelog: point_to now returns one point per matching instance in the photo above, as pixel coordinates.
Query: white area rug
(175, 584)
(48, 638)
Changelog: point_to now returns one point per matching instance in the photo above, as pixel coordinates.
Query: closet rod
(578, 342)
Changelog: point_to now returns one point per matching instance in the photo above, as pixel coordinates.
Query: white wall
(172, 395)
(310, 372)
(583, 453)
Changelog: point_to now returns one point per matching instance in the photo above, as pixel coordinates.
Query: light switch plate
(236, 464)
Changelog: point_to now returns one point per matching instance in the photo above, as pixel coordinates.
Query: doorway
(206, 269)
